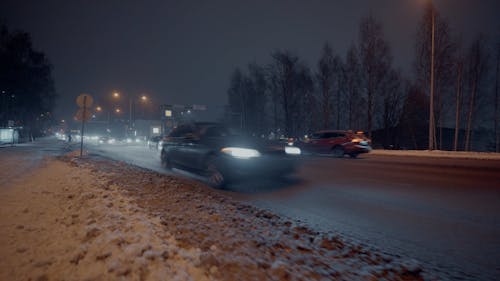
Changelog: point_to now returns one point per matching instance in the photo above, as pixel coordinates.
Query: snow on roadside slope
(66, 223)
(93, 219)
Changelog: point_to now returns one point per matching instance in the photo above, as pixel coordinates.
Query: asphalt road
(445, 213)
(442, 212)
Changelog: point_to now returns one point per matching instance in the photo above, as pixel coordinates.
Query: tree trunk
(326, 106)
(470, 116)
(497, 135)
(458, 102)
(370, 106)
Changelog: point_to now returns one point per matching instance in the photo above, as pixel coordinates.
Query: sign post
(84, 101)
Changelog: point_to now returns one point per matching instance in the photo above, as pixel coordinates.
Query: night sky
(183, 52)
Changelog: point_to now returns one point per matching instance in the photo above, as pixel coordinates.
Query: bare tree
(282, 73)
(338, 67)
(351, 82)
(415, 106)
(290, 79)
(477, 65)
(458, 100)
(236, 98)
(375, 62)
(391, 105)
(325, 77)
(257, 98)
(497, 133)
(305, 112)
(459, 65)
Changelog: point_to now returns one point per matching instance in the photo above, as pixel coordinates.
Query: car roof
(200, 124)
(206, 124)
(333, 131)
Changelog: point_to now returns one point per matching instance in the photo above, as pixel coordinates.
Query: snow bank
(93, 219)
(68, 223)
(439, 153)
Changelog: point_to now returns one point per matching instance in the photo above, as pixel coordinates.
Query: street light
(131, 99)
(431, 95)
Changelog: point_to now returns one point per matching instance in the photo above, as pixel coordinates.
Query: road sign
(84, 100)
(80, 116)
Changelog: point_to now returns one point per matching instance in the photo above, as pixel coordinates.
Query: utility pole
(497, 135)
(431, 96)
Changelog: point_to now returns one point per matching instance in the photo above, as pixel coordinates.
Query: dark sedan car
(217, 152)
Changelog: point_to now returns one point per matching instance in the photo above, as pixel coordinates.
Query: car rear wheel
(165, 161)
(338, 152)
(215, 176)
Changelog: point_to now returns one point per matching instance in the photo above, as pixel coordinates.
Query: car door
(192, 150)
(175, 143)
(326, 142)
(313, 145)
(334, 139)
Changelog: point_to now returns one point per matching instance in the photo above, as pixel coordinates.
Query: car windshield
(219, 131)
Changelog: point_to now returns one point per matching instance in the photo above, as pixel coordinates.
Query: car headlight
(292, 150)
(243, 153)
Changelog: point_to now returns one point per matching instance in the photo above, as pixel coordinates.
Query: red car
(337, 143)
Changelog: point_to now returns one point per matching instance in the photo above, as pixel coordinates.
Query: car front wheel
(215, 176)
(338, 152)
(165, 161)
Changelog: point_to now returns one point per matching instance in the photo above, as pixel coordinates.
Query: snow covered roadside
(66, 223)
(439, 153)
(94, 219)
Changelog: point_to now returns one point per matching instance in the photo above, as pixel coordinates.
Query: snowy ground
(95, 219)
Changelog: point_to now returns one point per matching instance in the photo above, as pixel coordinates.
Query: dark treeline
(26, 84)
(362, 90)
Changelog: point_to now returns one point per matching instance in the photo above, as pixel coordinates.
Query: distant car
(153, 142)
(223, 156)
(336, 143)
(106, 140)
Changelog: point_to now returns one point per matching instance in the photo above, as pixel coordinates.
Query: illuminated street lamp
(142, 98)
(117, 110)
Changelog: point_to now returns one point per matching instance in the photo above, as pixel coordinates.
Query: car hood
(262, 145)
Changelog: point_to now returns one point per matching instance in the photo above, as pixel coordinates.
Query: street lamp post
(131, 99)
(431, 95)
